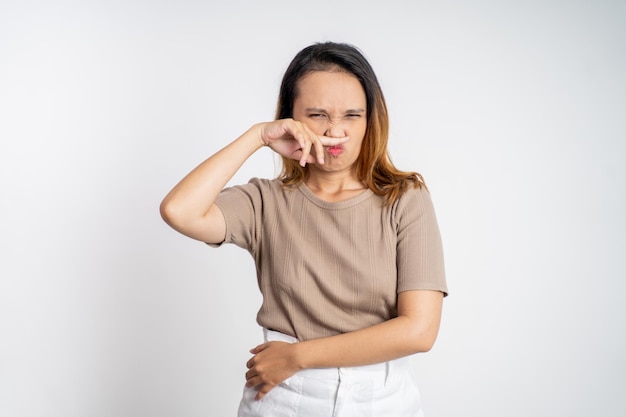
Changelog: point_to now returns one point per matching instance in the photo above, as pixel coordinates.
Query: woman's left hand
(272, 363)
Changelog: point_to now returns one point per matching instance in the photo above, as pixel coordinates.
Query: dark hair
(373, 166)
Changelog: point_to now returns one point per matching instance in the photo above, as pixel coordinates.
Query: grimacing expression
(333, 103)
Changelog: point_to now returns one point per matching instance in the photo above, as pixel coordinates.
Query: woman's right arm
(190, 206)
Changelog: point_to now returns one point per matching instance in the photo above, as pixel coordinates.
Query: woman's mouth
(335, 150)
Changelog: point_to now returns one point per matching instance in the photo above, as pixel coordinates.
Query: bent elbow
(173, 214)
(206, 226)
(426, 345)
(167, 211)
(423, 344)
(422, 340)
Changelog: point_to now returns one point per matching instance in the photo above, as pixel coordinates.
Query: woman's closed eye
(323, 116)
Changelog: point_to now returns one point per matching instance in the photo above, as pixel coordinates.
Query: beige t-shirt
(328, 268)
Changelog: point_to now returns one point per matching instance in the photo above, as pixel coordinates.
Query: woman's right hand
(295, 140)
(190, 206)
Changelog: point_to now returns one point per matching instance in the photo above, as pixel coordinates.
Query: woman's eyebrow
(315, 110)
(319, 110)
(355, 111)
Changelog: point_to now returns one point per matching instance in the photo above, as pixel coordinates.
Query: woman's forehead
(321, 89)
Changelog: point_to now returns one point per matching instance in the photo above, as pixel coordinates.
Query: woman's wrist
(299, 357)
(256, 132)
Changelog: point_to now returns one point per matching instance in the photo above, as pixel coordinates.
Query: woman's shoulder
(267, 189)
(413, 199)
(414, 191)
(266, 185)
(261, 182)
(255, 189)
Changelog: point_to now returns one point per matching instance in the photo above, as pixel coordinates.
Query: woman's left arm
(414, 330)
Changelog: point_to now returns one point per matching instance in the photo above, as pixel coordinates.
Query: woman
(347, 248)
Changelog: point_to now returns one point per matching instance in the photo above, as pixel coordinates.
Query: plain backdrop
(513, 111)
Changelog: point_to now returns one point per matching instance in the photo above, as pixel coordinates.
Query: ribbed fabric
(327, 268)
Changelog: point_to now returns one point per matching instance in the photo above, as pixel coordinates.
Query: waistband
(384, 369)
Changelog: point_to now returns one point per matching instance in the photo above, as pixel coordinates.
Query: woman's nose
(335, 131)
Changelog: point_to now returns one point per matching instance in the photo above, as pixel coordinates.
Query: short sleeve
(241, 206)
(420, 262)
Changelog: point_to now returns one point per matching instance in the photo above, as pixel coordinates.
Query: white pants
(380, 390)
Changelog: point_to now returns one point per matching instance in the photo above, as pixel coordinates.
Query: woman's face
(333, 103)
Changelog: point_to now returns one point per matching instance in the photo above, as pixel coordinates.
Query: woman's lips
(335, 150)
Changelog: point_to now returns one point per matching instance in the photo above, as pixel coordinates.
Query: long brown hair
(373, 166)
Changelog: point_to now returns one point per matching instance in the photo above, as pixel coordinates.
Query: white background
(513, 111)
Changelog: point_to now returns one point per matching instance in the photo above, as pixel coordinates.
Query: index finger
(259, 348)
(328, 141)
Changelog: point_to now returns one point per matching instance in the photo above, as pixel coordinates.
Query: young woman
(347, 248)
